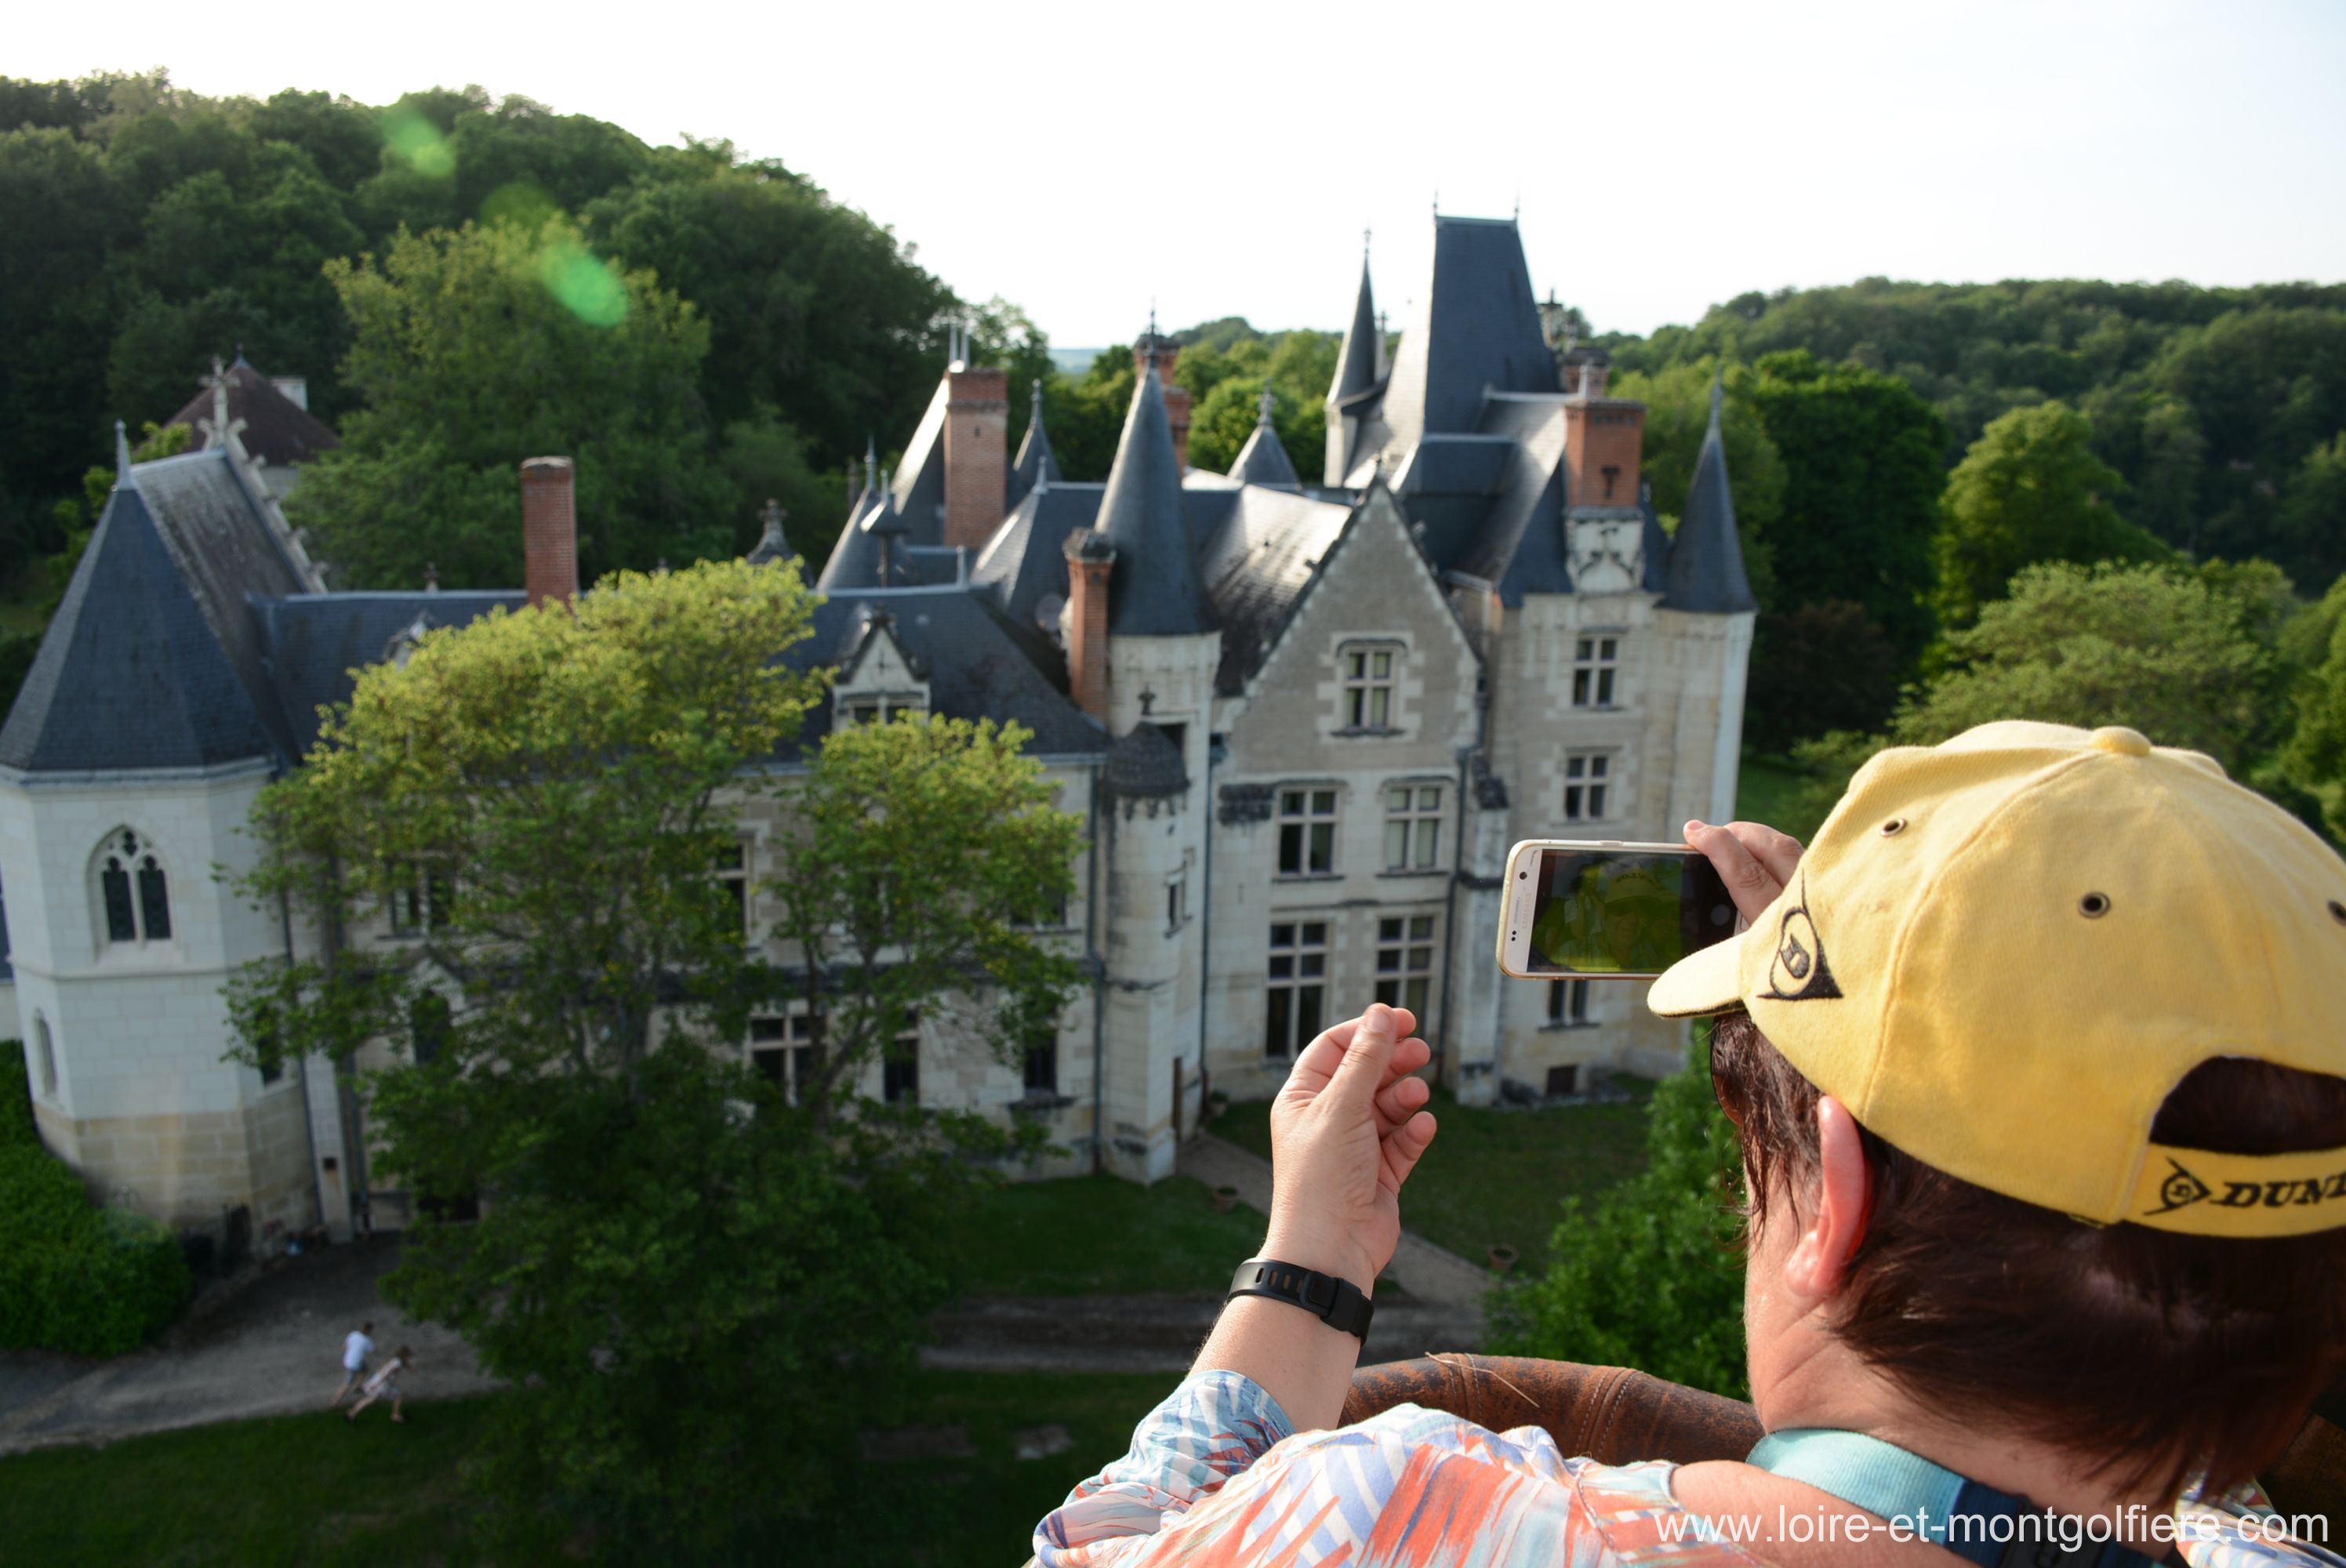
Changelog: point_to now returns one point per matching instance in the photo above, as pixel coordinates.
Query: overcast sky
(1223, 159)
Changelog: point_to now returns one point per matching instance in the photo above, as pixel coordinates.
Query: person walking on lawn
(356, 1348)
(386, 1382)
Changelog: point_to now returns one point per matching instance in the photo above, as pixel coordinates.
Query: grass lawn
(1495, 1176)
(1768, 789)
(1101, 1236)
(306, 1490)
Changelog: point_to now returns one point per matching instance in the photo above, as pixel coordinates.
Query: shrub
(16, 1097)
(91, 1281)
(1648, 1275)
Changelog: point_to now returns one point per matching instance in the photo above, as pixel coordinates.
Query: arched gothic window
(47, 1051)
(137, 895)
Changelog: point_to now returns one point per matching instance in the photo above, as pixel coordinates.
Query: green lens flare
(417, 142)
(586, 285)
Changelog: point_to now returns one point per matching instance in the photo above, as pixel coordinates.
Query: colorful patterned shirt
(1217, 1476)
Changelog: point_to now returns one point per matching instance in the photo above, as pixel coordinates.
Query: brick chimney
(977, 465)
(1090, 558)
(1604, 443)
(549, 529)
(1177, 399)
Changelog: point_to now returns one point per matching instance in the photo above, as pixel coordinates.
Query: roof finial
(1036, 418)
(1365, 234)
(1266, 404)
(121, 454)
(1518, 217)
(1718, 393)
(772, 517)
(431, 578)
(1437, 202)
(870, 462)
(1148, 343)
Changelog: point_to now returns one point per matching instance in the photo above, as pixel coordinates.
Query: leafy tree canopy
(478, 347)
(2029, 490)
(144, 230)
(2204, 400)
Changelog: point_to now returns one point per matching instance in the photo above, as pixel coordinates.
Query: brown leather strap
(1612, 1415)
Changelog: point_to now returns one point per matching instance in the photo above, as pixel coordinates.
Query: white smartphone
(1607, 910)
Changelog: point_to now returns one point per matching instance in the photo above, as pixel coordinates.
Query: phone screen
(1625, 911)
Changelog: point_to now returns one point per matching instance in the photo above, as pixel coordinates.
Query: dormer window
(135, 891)
(1368, 675)
(884, 708)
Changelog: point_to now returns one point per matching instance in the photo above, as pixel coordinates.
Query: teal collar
(1975, 1521)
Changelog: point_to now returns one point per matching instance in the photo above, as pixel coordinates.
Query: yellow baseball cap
(2001, 954)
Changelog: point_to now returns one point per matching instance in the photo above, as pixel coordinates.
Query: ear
(1836, 1222)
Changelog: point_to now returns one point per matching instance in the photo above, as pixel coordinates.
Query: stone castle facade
(1303, 723)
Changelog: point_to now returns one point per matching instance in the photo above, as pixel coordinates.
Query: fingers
(1363, 1071)
(1316, 1062)
(1750, 881)
(1403, 1146)
(1779, 852)
(1403, 1095)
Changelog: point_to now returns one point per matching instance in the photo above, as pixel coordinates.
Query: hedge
(91, 1281)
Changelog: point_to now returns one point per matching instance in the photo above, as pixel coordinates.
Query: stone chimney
(1090, 558)
(1604, 443)
(977, 465)
(549, 529)
(1177, 399)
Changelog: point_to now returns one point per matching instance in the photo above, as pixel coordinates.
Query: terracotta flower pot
(1224, 1199)
(1502, 1259)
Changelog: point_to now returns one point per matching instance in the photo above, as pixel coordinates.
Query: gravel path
(272, 1346)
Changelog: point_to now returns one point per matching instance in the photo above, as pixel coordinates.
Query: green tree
(692, 1287)
(1648, 1274)
(921, 857)
(2029, 490)
(477, 348)
(2150, 646)
(1862, 473)
(2314, 513)
(817, 311)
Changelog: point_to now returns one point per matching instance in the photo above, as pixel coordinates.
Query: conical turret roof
(1707, 573)
(1036, 465)
(1357, 365)
(1154, 590)
(1263, 460)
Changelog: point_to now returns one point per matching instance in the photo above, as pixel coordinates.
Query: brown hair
(2155, 1354)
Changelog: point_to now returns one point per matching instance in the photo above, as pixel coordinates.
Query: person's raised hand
(1346, 1130)
(1756, 863)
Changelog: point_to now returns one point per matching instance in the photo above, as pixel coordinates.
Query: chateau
(1302, 722)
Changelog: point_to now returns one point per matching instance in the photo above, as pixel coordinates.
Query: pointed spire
(1155, 590)
(1263, 459)
(1358, 366)
(870, 462)
(1036, 465)
(122, 455)
(1707, 574)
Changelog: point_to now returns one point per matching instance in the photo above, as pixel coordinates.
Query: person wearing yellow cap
(2035, 1063)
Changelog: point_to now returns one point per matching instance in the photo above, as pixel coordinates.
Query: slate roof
(276, 428)
(854, 560)
(1036, 464)
(1154, 590)
(1706, 573)
(316, 642)
(1257, 565)
(130, 675)
(1144, 762)
(1263, 461)
(1022, 564)
(1475, 328)
(977, 663)
(1358, 370)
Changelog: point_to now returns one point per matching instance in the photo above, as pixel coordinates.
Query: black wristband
(1339, 1303)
